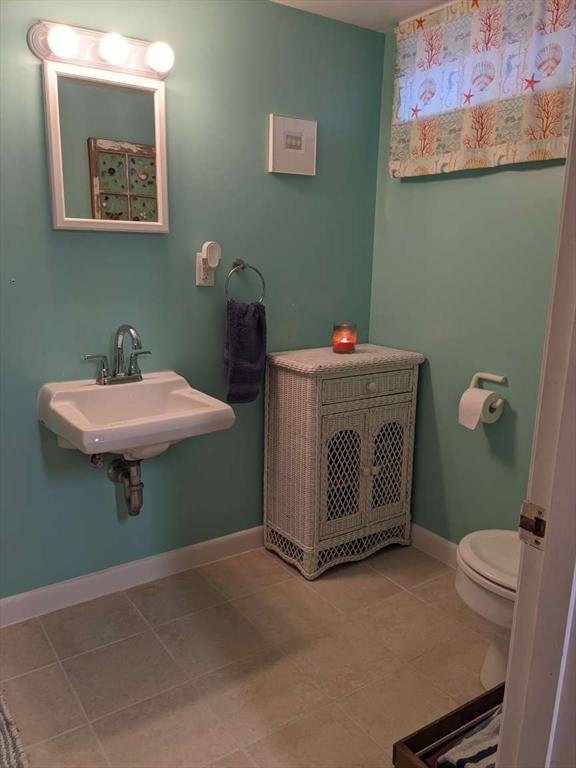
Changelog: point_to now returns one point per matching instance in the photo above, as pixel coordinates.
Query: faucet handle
(133, 367)
(102, 375)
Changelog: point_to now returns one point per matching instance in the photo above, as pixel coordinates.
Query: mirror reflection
(108, 151)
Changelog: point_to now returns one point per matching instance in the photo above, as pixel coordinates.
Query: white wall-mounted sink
(138, 419)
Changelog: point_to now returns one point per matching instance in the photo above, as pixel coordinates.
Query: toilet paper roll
(478, 405)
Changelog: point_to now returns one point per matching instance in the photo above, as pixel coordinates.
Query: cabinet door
(343, 487)
(388, 437)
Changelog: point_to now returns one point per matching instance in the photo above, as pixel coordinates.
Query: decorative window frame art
(291, 145)
(130, 192)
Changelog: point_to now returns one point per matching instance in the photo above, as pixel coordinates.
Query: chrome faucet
(119, 367)
(121, 374)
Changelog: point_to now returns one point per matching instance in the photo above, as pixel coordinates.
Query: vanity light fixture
(52, 41)
(160, 57)
(114, 48)
(62, 41)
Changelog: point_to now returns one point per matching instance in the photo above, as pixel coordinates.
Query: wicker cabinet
(338, 453)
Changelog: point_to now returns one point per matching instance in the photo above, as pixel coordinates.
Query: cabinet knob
(372, 386)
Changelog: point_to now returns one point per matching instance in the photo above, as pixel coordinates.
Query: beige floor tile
(407, 566)
(441, 592)
(121, 674)
(344, 659)
(237, 759)
(23, 648)
(172, 730)
(354, 586)
(289, 611)
(175, 596)
(391, 710)
(77, 749)
(42, 704)
(211, 639)
(241, 575)
(454, 667)
(324, 739)
(259, 694)
(88, 625)
(407, 626)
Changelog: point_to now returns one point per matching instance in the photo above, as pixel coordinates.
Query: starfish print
(415, 111)
(530, 82)
(475, 4)
(420, 22)
(468, 97)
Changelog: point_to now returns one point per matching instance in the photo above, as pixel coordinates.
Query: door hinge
(532, 524)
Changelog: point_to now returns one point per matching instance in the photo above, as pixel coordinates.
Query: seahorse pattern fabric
(481, 83)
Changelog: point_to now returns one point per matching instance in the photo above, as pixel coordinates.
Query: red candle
(344, 338)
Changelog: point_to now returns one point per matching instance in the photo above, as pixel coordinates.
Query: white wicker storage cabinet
(338, 453)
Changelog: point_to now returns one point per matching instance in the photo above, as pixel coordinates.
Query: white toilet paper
(478, 405)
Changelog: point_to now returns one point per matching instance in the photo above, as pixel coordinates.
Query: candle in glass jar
(344, 338)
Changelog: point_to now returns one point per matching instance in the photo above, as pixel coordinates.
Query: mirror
(106, 136)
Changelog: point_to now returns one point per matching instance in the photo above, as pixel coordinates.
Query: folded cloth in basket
(478, 748)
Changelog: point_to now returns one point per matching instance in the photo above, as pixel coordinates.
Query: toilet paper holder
(489, 377)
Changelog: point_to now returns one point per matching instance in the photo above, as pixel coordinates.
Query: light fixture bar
(85, 49)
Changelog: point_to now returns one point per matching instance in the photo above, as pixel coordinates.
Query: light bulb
(62, 41)
(114, 48)
(160, 57)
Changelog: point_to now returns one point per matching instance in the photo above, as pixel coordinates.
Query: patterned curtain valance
(481, 83)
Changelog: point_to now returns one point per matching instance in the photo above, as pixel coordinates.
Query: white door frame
(542, 639)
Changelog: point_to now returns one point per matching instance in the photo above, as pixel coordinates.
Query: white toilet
(486, 579)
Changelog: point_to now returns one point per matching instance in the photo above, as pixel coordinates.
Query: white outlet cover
(204, 277)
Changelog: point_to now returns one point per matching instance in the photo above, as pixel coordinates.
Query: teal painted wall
(64, 293)
(461, 273)
(101, 112)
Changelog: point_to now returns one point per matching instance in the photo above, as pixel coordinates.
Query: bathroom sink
(138, 419)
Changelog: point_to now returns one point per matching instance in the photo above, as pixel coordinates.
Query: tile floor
(244, 664)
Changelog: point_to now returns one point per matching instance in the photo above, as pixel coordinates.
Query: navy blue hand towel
(245, 352)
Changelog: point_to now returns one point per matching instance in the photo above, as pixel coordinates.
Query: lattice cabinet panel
(388, 460)
(343, 457)
(338, 453)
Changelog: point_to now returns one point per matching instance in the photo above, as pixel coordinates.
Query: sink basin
(138, 420)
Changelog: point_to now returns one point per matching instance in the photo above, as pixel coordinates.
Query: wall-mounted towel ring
(237, 266)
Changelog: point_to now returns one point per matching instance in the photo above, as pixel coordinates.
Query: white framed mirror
(106, 135)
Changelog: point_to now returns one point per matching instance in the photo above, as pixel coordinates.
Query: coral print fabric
(481, 83)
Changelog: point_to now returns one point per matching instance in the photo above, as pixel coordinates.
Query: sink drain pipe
(129, 473)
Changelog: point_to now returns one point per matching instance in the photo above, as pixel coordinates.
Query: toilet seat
(492, 559)
(487, 580)
(486, 584)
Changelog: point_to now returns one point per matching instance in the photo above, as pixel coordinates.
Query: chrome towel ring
(237, 266)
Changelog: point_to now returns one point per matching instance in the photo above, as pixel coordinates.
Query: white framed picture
(291, 145)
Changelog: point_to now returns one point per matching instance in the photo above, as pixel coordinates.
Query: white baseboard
(434, 545)
(37, 602)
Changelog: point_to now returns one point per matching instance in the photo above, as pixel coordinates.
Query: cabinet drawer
(358, 387)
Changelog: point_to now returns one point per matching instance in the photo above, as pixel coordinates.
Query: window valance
(481, 83)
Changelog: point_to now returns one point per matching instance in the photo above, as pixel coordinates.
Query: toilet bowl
(486, 580)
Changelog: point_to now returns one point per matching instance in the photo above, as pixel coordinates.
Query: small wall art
(292, 145)
(122, 180)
